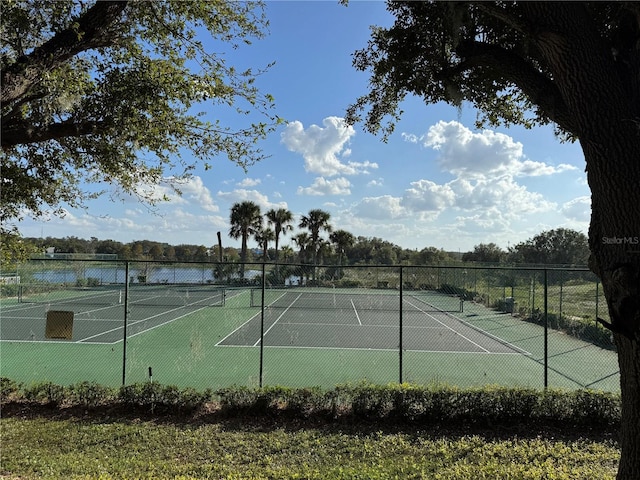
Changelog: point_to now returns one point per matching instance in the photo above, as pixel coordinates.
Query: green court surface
(212, 339)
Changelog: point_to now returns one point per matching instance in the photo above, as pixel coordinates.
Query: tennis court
(358, 320)
(207, 336)
(99, 313)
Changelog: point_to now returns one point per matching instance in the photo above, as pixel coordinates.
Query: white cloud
(156, 193)
(380, 208)
(323, 147)
(537, 169)
(321, 186)
(410, 137)
(241, 195)
(186, 221)
(80, 221)
(376, 183)
(484, 196)
(195, 191)
(502, 192)
(249, 182)
(427, 196)
(481, 154)
(578, 209)
(491, 218)
(174, 191)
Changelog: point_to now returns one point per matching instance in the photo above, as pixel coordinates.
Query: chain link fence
(212, 325)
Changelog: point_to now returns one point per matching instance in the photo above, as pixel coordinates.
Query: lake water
(118, 275)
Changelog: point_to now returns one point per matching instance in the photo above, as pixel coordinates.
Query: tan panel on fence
(59, 325)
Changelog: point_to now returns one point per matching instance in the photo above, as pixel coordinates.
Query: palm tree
(281, 221)
(323, 251)
(315, 222)
(263, 237)
(245, 220)
(303, 241)
(342, 240)
(287, 253)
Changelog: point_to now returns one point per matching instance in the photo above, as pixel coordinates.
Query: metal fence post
(126, 319)
(400, 324)
(597, 300)
(561, 288)
(546, 331)
(262, 326)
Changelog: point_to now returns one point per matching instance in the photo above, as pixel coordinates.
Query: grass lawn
(110, 446)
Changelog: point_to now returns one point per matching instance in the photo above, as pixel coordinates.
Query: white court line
(356, 312)
(252, 317)
(369, 325)
(479, 330)
(274, 323)
(144, 320)
(364, 349)
(163, 323)
(234, 331)
(448, 327)
(168, 321)
(40, 305)
(55, 342)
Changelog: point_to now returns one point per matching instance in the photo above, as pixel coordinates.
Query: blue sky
(437, 182)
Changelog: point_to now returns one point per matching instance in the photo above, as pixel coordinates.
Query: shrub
(46, 393)
(372, 401)
(417, 404)
(90, 394)
(8, 389)
(9, 290)
(156, 398)
(238, 398)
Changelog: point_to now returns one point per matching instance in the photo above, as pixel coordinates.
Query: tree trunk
(629, 360)
(613, 168)
(601, 95)
(243, 255)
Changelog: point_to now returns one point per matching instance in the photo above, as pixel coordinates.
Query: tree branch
(513, 67)
(491, 9)
(22, 134)
(92, 30)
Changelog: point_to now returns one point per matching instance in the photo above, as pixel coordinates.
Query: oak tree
(575, 65)
(559, 246)
(112, 96)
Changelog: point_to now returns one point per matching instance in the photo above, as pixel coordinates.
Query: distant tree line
(553, 247)
(318, 243)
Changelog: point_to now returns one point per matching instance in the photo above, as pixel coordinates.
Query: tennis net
(376, 300)
(113, 295)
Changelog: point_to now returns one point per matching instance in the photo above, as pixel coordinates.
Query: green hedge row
(431, 404)
(151, 397)
(586, 329)
(398, 402)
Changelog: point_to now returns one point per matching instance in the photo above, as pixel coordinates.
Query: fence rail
(218, 324)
